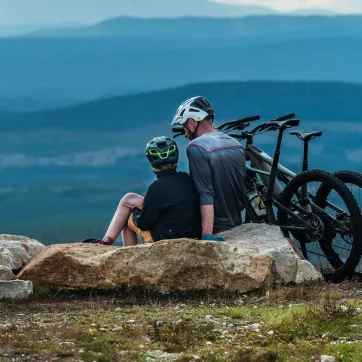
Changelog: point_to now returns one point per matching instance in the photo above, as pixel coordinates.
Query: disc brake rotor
(318, 229)
(315, 235)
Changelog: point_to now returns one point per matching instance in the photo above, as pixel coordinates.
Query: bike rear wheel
(353, 181)
(316, 244)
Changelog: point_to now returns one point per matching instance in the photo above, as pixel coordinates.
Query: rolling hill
(88, 68)
(321, 101)
(285, 27)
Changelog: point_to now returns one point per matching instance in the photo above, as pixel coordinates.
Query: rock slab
(17, 251)
(251, 256)
(261, 239)
(15, 289)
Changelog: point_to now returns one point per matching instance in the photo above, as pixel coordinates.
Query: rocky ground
(281, 324)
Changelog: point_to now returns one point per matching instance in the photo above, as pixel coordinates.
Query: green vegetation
(282, 324)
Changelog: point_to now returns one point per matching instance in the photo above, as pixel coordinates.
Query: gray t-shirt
(217, 166)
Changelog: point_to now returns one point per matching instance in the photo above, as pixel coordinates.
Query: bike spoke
(328, 244)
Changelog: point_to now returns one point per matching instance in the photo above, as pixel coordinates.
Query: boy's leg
(129, 237)
(121, 216)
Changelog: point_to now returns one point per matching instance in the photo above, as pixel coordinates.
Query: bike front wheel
(334, 221)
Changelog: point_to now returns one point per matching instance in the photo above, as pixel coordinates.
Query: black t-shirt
(171, 208)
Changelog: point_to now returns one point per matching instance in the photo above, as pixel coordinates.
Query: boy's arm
(145, 218)
(201, 173)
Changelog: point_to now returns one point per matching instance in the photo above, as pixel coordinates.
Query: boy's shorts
(144, 235)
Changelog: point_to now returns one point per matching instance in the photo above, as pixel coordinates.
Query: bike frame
(261, 163)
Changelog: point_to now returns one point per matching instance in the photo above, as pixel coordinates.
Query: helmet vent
(194, 110)
(161, 144)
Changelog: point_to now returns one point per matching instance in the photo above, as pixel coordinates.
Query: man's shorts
(144, 235)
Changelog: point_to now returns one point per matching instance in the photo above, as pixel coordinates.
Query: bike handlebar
(239, 124)
(272, 125)
(258, 128)
(242, 121)
(284, 118)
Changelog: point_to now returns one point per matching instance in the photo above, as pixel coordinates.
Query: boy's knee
(129, 198)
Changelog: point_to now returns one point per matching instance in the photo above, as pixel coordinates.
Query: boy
(170, 208)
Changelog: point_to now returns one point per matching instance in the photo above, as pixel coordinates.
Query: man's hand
(210, 237)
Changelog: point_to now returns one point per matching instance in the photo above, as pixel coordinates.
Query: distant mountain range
(198, 8)
(312, 12)
(320, 101)
(86, 12)
(127, 55)
(89, 68)
(265, 27)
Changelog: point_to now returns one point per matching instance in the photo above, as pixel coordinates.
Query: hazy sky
(29, 12)
(343, 6)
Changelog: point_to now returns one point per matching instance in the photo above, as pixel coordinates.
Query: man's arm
(207, 215)
(201, 173)
(145, 218)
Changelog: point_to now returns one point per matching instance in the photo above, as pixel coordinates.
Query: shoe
(106, 241)
(91, 241)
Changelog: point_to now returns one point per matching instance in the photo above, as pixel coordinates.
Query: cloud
(104, 157)
(356, 128)
(343, 6)
(354, 155)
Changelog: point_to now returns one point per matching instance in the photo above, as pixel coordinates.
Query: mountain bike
(300, 213)
(334, 252)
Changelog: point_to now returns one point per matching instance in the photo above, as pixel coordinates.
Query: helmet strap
(193, 134)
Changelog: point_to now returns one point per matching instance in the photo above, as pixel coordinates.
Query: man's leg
(120, 219)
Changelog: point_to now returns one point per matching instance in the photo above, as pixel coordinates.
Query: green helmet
(161, 151)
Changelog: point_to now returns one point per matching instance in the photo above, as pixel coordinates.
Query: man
(217, 166)
(170, 209)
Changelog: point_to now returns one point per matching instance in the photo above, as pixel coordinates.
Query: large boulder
(251, 256)
(17, 251)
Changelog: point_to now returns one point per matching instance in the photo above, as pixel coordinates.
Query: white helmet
(197, 108)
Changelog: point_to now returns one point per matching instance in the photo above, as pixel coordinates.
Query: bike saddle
(285, 124)
(306, 136)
